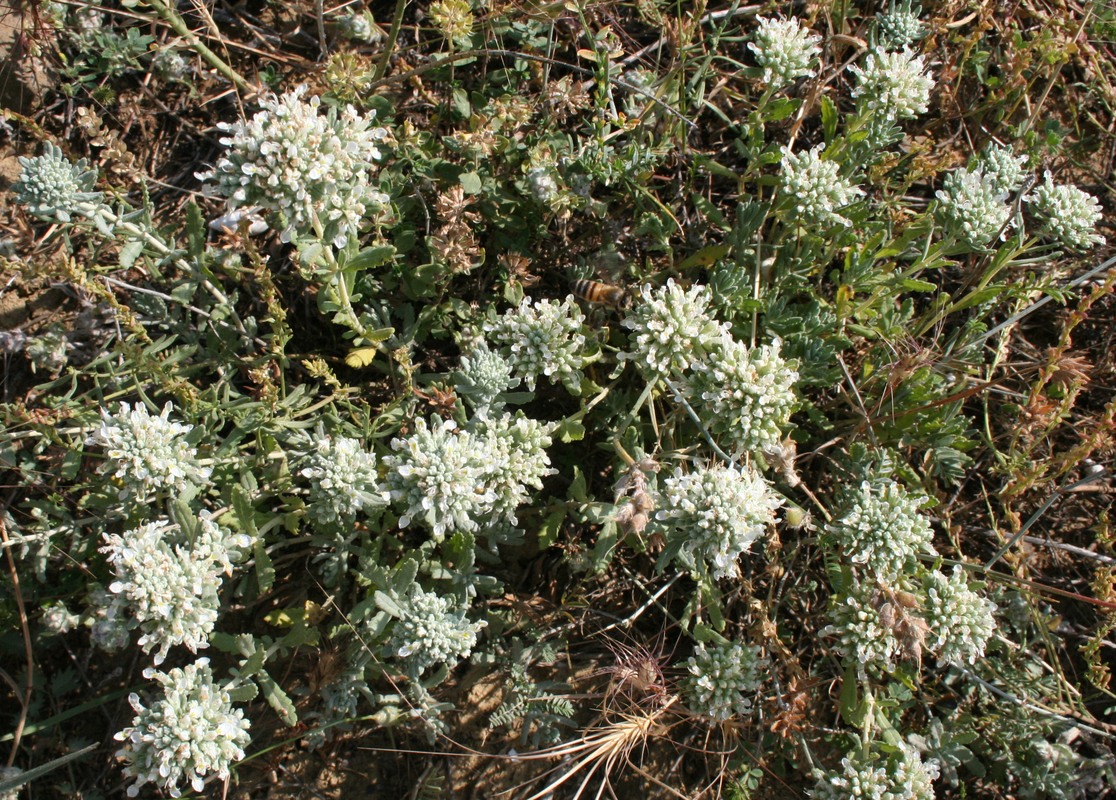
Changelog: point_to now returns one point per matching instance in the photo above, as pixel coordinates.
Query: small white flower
(747, 394)
(432, 631)
(542, 338)
(961, 621)
(785, 50)
(899, 27)
(882, 530)
(1003, 168)
(192, 731)
(439, 476)
(1068, 214)
(862, 634)
(899, 776)
(973, 206)
(723, 679)
(344, 481)
(894, 85)
(815, 189)
(484, 375)
(303, 165)
(147, 454)
(51, 187)
(717, 513)
(671, 328)
(168, 587)
(518, 460)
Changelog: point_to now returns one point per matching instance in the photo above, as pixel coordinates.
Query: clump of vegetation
(484, 396)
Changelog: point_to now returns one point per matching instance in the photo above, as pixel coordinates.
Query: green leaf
(914, 285)
(387, 604)
(277, 699)
(851, 707)
(570, 430)
(781, 109)
(129, 253)
(265, 570)
(577, 491)
(244, 693)
(471, 183)
(551, 525)
(195, 232)
(828, 118)
(371, 257)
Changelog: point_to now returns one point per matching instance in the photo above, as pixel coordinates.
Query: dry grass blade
(601, 749)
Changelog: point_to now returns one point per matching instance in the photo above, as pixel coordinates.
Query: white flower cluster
(168, 587)
(973, 206)
(722, 680)
(438, 475)
(717, 512)
(862, 634)
(344, 481)
(961, 621)
(893, 85)
(1068, 214)
(899, 27)
(542, 338)
(785, 50)
(148, 454)
(303, 165)
(460, 480)
(671, 329)
(189, 733)
(900, 776)
(882, 530)
(746, 394)
(432, 631)
(516, 455)
(484, 375)
(815, 189)
(52, 188)
(1003, 167)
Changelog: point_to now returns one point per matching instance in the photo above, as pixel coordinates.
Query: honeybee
(597, 292)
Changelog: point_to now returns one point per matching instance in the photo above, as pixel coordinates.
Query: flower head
(882, 530)
(432, 631)
(1068, 214)
(671, 329)
(961, 621)
(723, 679)
(815, 189)
(542, 338)
(168, 588)
(899, 27)
(747, 394)
(716, 513)
(149, 455)
(484, 375)
(308, 167)
(344, 481)
(899, 776)
(517, 459)
(190, 732)
(894, 85)
(785, 50)
(52, 188)
(973, 206)
(863, 636)
(439, 475)
(1002, 167)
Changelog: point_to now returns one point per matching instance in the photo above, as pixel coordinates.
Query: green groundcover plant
(713, 328)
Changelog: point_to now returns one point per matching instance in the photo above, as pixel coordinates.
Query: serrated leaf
(244, 693)
(195, 232)
(129, 253)
(548, 530)
(705, 257)
(371, 257)
(914, 285)
(570, 430)
(278, 699)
